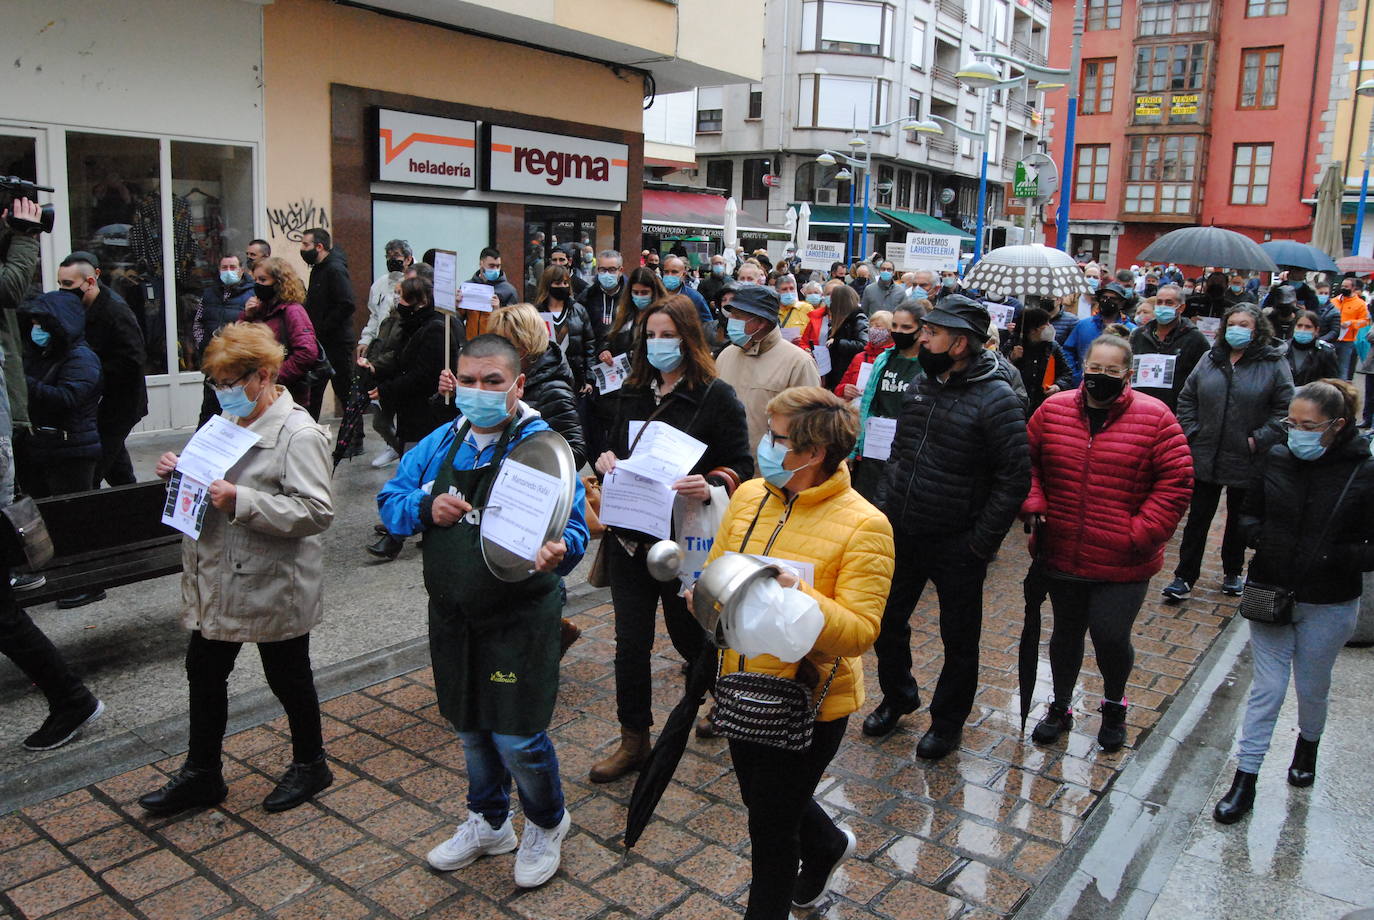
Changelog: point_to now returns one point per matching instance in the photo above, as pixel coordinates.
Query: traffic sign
(1036, 178)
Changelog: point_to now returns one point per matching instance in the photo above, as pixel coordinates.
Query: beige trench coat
(256, 576)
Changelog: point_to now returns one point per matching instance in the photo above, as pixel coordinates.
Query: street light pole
(849, 238)
(985, 129)
(1061, 218)
(1364, 89)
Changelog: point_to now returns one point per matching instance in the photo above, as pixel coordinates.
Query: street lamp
(1364, 89)
(861, 160)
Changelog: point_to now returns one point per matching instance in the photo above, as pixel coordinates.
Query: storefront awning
(924, 223)
(694, 214)
(831, 216)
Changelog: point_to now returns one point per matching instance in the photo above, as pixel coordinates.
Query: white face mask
(1047, 333)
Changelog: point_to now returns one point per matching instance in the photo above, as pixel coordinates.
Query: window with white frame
(965, 141)
(1250, 174)
(847, 27)
(994, 148)
(918, 44)
(973, 9)
(849, 103)
(710, 109)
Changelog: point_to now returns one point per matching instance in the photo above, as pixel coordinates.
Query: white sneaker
(473, 839)
(385, 458)
(540, 852)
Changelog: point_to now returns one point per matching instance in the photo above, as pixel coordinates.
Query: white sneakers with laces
(473, 839)
(387, 457)
(540, 852)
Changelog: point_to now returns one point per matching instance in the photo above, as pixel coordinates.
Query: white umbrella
(803, 225)
(790, 224)
(730, 235)
(1018, 271)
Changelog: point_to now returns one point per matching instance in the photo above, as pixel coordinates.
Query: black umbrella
(1209, 246)
(658, 770)
(1035, 587)
(350, 440)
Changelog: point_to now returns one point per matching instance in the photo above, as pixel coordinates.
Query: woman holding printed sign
(642, 287)
(893, 372)
(672, 382)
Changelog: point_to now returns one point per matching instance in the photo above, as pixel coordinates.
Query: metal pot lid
(545, 452)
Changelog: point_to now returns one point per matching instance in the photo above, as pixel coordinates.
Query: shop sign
(896, 254)
(426, 149)
(1181, 104)
(537, 163)
(679, 231)
(1148, 106)
(937, 252)
(820, 255)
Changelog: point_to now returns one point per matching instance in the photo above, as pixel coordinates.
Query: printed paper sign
(1001, 313)
(445, 281)
(878, 435)
(818, 255)
(636, 503)
(1209, 326)
(519, 508)
(426, 150)
(865, 371)
(609, 379)
(1153, 372)
(476, 296)
(937, 252)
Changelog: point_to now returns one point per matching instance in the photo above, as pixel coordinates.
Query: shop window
(1094, 248)
(1259, 78)
(847, 27)
(1103, 14)
(755, 100)
(1250, 174)
(721, 174)
(812, 177)
(841, 102)
(19, 157)
(1090, 180)
(1254, 8)
(1099, 81)
(885, 181)
(904, 189)
(754, 171)
(436, 225)
(115, 210)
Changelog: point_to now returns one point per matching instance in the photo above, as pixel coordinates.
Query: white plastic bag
(695, 524)
(773, 620)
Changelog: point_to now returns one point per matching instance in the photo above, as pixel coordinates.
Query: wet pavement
(1002, 827)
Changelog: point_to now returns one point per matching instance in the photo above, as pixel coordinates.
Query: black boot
(386, 547)
(1237, 803)
(192, 787)
(884, 719)
(1302, 772)
(1057, 721)
(1112, 734)
(301, 781)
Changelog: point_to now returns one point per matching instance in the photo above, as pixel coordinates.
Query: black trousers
(636, 595)
(287, 666)
(1206, 497)
(958, 576)
(114, 465)
(786, 826)
(1107, 610)
(43, 478)
(341, 356)
(33, 653)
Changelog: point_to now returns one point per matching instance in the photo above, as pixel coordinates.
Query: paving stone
(148, 874)
(29, 861)
(110, 847)
(196, 897)
(50, 893)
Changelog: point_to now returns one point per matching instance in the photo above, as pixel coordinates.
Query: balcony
(1026, 53)
(941, 151)
(953, 9)
(943, 82)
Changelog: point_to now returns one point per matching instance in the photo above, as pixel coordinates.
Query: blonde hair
(239, 349)
(522, 326)
(818, 418)
(881, 319)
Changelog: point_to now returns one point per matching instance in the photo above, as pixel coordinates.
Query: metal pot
(664, 560)
(720, 586)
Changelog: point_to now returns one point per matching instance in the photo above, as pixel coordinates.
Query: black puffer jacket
(408, 383)
(112, 332)
(577, 338)
(1310, 362)
(850, 339)
(1222, 406)
(549, 391)
(64, 380)
(1288, 505)
(600, 305)
(960, 462)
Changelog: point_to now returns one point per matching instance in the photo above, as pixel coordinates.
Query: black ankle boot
(1302, 772)
(1237, 803)
(192, 787)
(301, 781)
(1112, 734)
(1057, 721)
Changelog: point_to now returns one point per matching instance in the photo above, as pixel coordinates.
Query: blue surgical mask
(641, 300)
(608, 280)
(1093, 283)
(1323, 299)
(1238, 336)
(717, 269)
(787, 299)
(771, 457)
(1165, 315)
(734, 330)
(1306, 445)
(1304, 337)
(236, 402)
(491, 274)
(813, 299)
(885, 277)
(228, 277)
(672, 282)
(41, 337)
(1237, 288)
(920, 289)
(948, 282)
(483, 408)
(664, 354)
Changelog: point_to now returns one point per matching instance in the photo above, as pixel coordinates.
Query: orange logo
(392, 152)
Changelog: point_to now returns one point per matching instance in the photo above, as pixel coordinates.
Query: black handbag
(767, 709)
(321, 372)
(1273, 604)
(26, 541)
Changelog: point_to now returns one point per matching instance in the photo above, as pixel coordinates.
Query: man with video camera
(71, 706)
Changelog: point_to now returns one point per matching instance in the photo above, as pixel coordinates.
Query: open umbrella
(350, 441)
(1359, 265)
(1209, 246)
(1326, 220)
(1018, 271)
(1292, 254)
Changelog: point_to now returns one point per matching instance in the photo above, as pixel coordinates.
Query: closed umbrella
(730, 233)
(1209, 246)
(350, 441)
(789, 223)
(1292, 254)
(1326, 221)
(1033, 269)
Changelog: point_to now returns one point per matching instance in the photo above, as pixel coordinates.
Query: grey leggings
(1310, 645)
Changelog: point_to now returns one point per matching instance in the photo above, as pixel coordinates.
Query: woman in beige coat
(255, 573)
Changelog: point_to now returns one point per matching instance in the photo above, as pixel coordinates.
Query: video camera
(12, 187)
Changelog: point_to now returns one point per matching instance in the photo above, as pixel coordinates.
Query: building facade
(1198, 112)
(1349, 119)
(832, 69)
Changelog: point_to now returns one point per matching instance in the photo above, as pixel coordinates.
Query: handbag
(27, 542)
(1273, 604)
(319, 373)
(767, 709)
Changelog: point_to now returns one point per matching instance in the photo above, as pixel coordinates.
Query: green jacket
(18, 262)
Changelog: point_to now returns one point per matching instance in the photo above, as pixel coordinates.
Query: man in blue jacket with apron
(494, 644)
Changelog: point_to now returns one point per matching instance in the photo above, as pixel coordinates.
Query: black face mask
(405, 309)
(395, 265)
(559, 293)
(1103, 387)
(935, 364)
(310, 256)
(903, 340)
(264, 292)
(1109, 311)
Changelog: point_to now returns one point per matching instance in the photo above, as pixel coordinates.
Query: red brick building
(1194, 112)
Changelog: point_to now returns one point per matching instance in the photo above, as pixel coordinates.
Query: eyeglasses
(226, 387)
(1109, 369)
(1290, 425)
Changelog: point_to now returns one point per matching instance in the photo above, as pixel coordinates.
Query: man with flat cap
(759, 363)
(958, 472)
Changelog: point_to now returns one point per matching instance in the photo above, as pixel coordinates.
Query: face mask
(1306, 445)
(1303, 337)
(787, 299)
(236, 402)
(229, 277)
(664, 354)
(903, 340)
(734, 329)
(1238, 336)
(264, 292)
(641, 300)
(588, 258)
(948, 283)
(1237, 288)
(717, 269)
(1109, 310)
(672, 282)
(1047, 333)
(483, 408)
(395, 265)
(607, 280)
(559, 293)
(879, 337)
(771, 457)
(920, 290)
(1166, 315)
(813, 299)
(1323, 299)
(310, 256)
(1188, 290)
(41, 337)
(885, 277)
(1103, 387)
(935, 364)
(491, 274)
(1093, 283)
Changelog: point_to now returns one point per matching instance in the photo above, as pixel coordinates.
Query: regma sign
(556, 166)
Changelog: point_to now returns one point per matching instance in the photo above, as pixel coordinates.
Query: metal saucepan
(722, 584)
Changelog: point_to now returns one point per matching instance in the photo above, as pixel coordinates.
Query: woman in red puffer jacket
(1111, 476)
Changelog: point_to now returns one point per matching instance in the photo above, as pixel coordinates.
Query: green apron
(493, 644)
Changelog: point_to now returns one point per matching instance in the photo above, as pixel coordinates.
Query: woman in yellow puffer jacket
(803, 510)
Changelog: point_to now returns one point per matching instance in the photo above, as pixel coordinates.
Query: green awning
(924, 223)
(830, 216)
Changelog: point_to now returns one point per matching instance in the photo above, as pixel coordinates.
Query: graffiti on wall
(292, 220)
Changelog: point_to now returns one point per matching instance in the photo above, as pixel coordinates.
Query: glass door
(22, 155)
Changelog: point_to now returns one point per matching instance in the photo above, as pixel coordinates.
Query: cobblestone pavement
(967, 837)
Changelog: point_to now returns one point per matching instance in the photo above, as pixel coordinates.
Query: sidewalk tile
(148, 874)
(640, 887)
(114, 846)
(29, 861)
(411, 891)
(195, 897)
(276, 884)
(50, 893)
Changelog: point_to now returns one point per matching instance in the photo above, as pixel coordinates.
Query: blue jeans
(1309, 645)
(492, 761)
(1346, 359)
